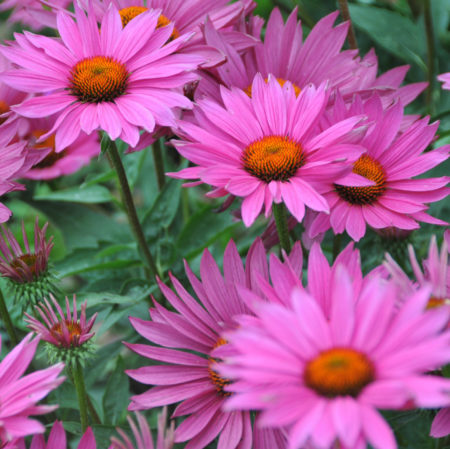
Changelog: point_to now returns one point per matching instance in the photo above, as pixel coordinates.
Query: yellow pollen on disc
(73, 327)
(98, 79)
(435, 302)
(273, 158)
(281, 82)
(218, 381)
(127, 14)
(4, 108)
(370, 169)
(339, 372)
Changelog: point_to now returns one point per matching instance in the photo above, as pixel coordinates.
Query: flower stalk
(280, 215)
(351, 37)
(130, 208)
(78, 380)
(157, 150)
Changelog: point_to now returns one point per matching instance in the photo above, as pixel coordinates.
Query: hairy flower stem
(157, 149)
(78, 380)
(130, 208)
(430, 53)
(280, 215)
(343, 6)
(4, 315)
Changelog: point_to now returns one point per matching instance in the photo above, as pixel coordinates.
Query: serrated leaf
(115, 398)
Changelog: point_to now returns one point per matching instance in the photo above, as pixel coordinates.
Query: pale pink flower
(120, 80)
(266, 147)
(20, 394)
(324, 378)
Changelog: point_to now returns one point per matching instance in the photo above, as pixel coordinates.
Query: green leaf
(116, 395)
(88, 195)
(399, 35)
(201, 230)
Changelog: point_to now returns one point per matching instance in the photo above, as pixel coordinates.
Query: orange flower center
(339, 372)
(127, 14)
(3, 109)
(435, 302)
(97, 79)
(273, 158)
(218, 381)
(73, 327)
(281, 81)
(49, 142)
(370, 169)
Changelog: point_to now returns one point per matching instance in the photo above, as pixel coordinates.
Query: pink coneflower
(391, 160)
(436, 273)
(266, 148)
(116, 79)
(65, 162)
(325, 378)
(26, 264)
(285, 56)
(57, 439)
(143, 434)
(65, 330)
(20, 394)
(35, 14)
(197, 325)
(445, 78)
(187, 16)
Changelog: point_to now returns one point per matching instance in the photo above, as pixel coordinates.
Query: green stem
(78, 379)
(157, 149)
(351, 37)
(280, 215)
(336, 245)
(430, 52)
(185, 204)
(92, 411)
(130, 208)
(4, 315)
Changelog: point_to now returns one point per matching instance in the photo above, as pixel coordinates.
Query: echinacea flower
(391, 160)
(57, 439)
(441, 424)
(64, 162)
(197, 325)
(436, 273)
(266, 148)
(101, 79)
(324, 379)
(445, 78)
(285, 56)
(67, 333)
(143, 434)
(20, 394)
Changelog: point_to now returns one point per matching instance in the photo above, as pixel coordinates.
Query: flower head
(99, 79)
(392, 158)
(67, 332)
(324, 379)
(197, 325)
(266, 148)
(21, 394)
(143, 434)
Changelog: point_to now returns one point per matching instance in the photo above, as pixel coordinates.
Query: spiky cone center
(273, 158)
(98, 79)
(435, 302)
(4, 108)
(52, 157)
(339, 372)
(72, 355)
(74, 332)
(370, 169)
(218, 381)
(127, 14)
(281, 82)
